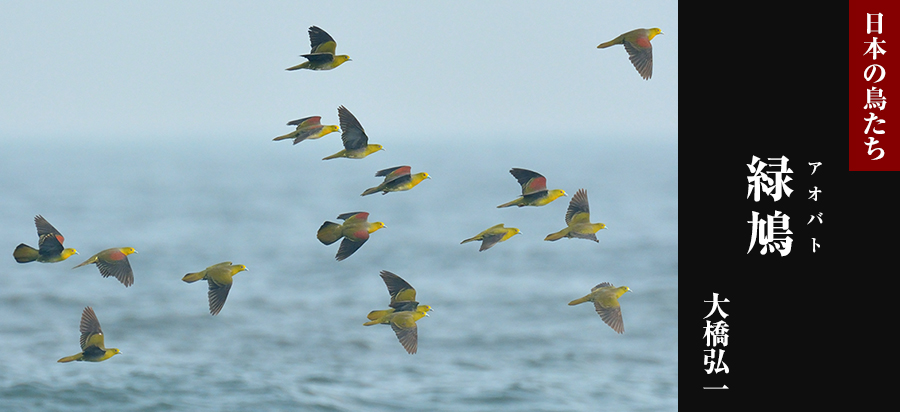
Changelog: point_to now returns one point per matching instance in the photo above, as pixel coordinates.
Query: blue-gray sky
(420, 69)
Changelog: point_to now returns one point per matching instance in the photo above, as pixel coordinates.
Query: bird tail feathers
(329, 233)
(192, 277)
(287, 136)
(71, 358)
(581, 300)
(299, 66)
(604, 45)
(334, 156)
(371, 190)
(508, 204)
(376, 315)
(25, 253)
(557, 236)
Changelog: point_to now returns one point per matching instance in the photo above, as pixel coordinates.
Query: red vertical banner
(874, 70)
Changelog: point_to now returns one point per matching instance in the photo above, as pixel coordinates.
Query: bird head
(653, 32)
(114, 351)
(375, 226)
(555, 193)
(238, 268)
(128, 250)
(332, 128)
(374, 148)
(424, 309)
(340, 59)
(68, 252)
(418, 177)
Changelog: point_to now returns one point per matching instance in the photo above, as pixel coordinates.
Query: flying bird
(356, 143)
(640, 52)
(355, 230)
(322, 56)
(396, 179)
(92, 349)
(606, 301)
(534, 189)
(113, 262)
(220, 279)
(578, 220)
(50, 245)
(403, 314)
(493, 235)
(307, 128)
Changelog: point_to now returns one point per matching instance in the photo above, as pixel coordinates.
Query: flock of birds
(403, 310)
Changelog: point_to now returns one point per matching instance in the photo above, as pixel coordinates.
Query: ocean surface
(290, 336)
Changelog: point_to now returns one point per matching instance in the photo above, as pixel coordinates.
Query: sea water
(290, 336)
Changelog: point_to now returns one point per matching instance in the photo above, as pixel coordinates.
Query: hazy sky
(419, 69)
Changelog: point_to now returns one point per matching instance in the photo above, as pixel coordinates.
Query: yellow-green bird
(403, 314)
(606, 301)
(493, 235)
(534, 189)
(322, 56)
(356, 143)
(219, 277)
(578, 220)
(355, 230)
(307, 128)
(396, 179)
(50, 245)
(403, 298)
(92, 349)
(114, 262)
(640, 52)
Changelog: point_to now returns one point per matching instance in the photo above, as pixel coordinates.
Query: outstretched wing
(352, 133)
(49, 239)
(407, 332)
(641, 56)
(394, 173)
(612, 315)
(354, 217)
(306, 122)
(490, 240)
(319, 58)
(217, 294)
(401, 292)
(349, 246)
(532, 182)
(91, 335)
(320, 41)
(117, 266)
(578, 211)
